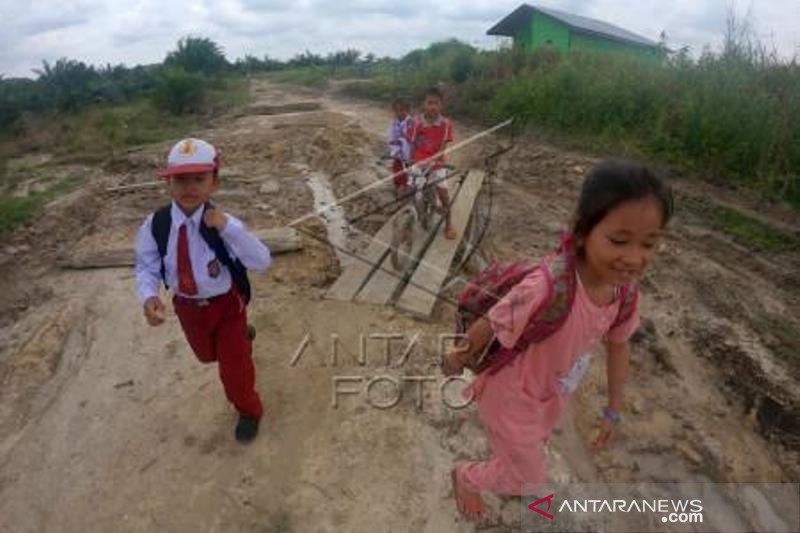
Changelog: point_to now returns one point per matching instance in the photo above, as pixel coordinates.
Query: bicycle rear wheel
(424, 213)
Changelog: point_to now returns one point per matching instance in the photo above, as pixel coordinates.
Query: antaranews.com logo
(671, 511)
(662, 507)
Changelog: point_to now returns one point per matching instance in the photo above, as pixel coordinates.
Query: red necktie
(186, 284)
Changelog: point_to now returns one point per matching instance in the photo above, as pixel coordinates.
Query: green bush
(310, 76)
(734, 115)
(68, 84)
(197, 55)
(10, 105)
(178, 91)
(15, 211)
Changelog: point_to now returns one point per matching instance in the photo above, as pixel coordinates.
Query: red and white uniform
(213, 315)
(429, 137)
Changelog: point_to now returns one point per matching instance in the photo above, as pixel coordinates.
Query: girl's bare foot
(450, 233)
(469, 503)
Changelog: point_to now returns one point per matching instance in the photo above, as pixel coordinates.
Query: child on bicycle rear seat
(399, 145)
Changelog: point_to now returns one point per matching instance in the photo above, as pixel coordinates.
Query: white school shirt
(240, 244)
(399, 145)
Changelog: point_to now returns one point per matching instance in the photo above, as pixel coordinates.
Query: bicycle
(424, 203)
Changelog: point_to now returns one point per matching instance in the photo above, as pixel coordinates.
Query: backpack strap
(629, 301)
(235, 266)
(559, 271)
(160, 227)
(559, 267)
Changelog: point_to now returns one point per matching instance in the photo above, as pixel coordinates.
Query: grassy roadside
(484, 101)
(733, 116)
(97, 132)
(310, 77)
(15, 211)
(745, 230)
(91, 136)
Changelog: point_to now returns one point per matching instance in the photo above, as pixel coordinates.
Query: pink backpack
(493, 283)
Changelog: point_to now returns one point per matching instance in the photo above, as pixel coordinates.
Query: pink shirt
(544, 376)
(522, 402)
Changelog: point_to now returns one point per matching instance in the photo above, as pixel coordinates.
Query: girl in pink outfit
(621, 213)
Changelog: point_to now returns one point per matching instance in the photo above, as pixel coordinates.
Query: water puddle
(333, 215)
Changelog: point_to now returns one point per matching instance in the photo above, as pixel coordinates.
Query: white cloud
(101, 31)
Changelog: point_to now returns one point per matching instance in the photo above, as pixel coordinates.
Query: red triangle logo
(548, 499)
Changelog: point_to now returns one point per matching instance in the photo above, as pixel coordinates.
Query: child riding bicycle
(429, 136)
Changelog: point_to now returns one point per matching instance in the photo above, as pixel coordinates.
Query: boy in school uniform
(399, 145)
(430, 134)
(203, 255)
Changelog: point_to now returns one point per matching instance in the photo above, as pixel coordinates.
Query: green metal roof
(522, 16)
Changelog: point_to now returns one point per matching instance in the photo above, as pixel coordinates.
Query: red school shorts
(399, 173)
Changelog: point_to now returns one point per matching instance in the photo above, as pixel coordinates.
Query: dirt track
(107, 424)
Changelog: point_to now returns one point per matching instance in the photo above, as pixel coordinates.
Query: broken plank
(423, 288)
(385, 283)
(282, 109)
(278, 240)
(358, 272)
(136, 186)
(115, 258)
(228, 195)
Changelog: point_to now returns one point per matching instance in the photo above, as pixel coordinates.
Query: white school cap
(190, 156)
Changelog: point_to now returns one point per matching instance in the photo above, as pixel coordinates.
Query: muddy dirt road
(107, 424)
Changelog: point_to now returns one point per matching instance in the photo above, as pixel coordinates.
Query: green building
(533, 27)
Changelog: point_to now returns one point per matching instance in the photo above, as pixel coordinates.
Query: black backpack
(162, 223)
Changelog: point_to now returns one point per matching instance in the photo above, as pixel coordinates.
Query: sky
(143, 31)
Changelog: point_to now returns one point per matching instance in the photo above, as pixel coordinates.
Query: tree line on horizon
(733, 113)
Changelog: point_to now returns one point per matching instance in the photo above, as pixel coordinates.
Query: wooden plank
(279, 240)
(357, 274)
(423, 288)
(116, 258)
(282, 109)
(136, 186)
(385, 281)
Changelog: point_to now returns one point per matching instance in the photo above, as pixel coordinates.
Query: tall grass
(177, 85)
(732, 115)
(312, 76)
(178, 91)
(97, 134)
(15, 211)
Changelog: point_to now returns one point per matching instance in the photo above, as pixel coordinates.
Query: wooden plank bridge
(371, 278)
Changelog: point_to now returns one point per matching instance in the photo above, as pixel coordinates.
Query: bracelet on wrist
(612, 415)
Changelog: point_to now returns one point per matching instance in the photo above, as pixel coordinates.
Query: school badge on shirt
(214, 268)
